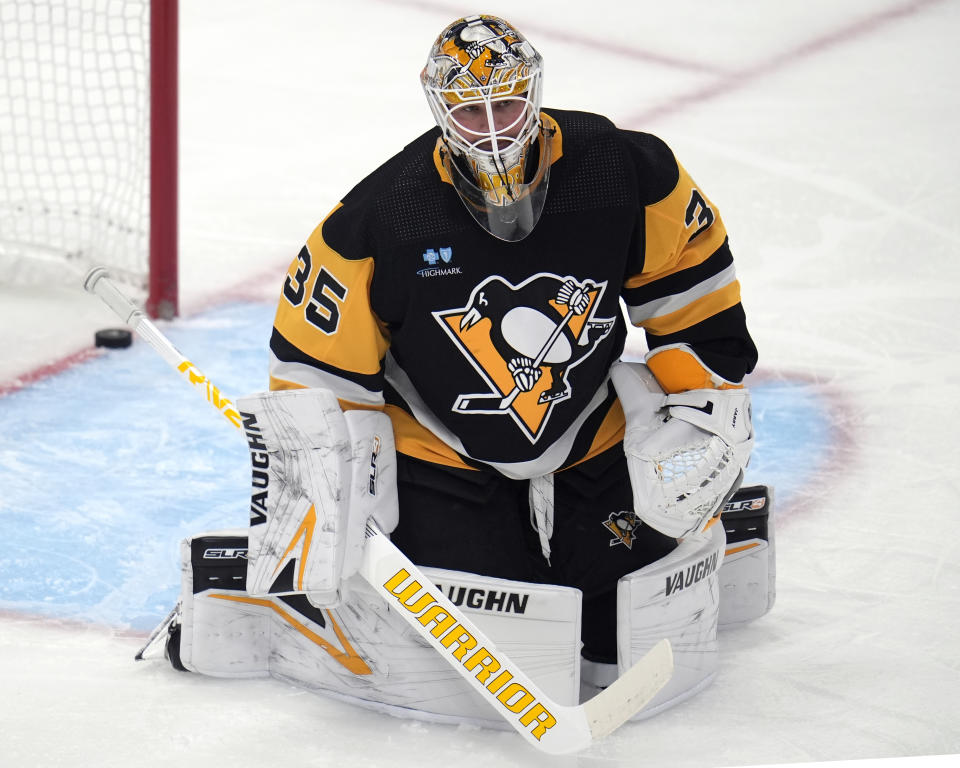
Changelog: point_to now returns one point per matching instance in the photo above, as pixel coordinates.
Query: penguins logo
(480, 52)
(623, 525)
(523, 340)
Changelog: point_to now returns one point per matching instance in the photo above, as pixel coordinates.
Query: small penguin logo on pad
(623, 525)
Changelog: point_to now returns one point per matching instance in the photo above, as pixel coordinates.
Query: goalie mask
(483, 82)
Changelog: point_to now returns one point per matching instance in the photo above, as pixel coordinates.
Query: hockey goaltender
(446, 362)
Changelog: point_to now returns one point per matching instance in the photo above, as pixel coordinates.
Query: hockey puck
(113, 338)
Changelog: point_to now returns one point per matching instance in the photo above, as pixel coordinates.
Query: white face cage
(493, 132)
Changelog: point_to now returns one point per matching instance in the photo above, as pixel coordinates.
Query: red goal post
(88, 144)
(162, 300)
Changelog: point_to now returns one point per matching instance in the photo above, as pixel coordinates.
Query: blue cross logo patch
(431, 256)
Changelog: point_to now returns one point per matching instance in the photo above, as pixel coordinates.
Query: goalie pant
(362, 651)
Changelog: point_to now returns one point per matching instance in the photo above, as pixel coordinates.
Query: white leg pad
(362, 652)
(676, 597)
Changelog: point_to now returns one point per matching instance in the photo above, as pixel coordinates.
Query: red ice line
(726, 83)
(48, 369)
(737, 79)
(574, 39)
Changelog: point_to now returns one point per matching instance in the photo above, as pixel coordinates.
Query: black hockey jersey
(492, 353)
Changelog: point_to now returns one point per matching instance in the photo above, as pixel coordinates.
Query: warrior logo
(523, 340)
(623, 525)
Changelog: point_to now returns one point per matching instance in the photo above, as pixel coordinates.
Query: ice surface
(826, 132)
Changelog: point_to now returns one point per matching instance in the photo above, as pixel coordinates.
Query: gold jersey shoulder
(325, 311)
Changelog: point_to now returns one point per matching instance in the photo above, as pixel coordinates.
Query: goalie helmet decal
(478, 53)
(524, 340)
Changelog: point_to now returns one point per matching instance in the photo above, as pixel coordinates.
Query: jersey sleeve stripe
(670, 304)
(680, 281)
(694, 312)
(289, 363)
(297, 376)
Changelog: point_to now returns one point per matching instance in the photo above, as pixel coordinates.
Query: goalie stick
(548, 726)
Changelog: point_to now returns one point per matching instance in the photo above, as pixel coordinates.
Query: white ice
(827, 134)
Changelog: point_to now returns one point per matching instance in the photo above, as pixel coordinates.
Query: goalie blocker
(361, 651)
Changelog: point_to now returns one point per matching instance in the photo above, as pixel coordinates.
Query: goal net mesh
(74, 139)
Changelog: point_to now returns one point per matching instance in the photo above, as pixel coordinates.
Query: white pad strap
(542, 510)
(318, 474)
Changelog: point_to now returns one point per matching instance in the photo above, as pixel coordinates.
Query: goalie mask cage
(88, 143)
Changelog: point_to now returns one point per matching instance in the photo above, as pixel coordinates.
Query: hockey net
(88, 143)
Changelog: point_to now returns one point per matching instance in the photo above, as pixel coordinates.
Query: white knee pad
(229, 632)
(748, 576)
(361, 651)
(676, 597)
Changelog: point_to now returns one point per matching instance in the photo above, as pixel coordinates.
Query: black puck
(113, 338)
